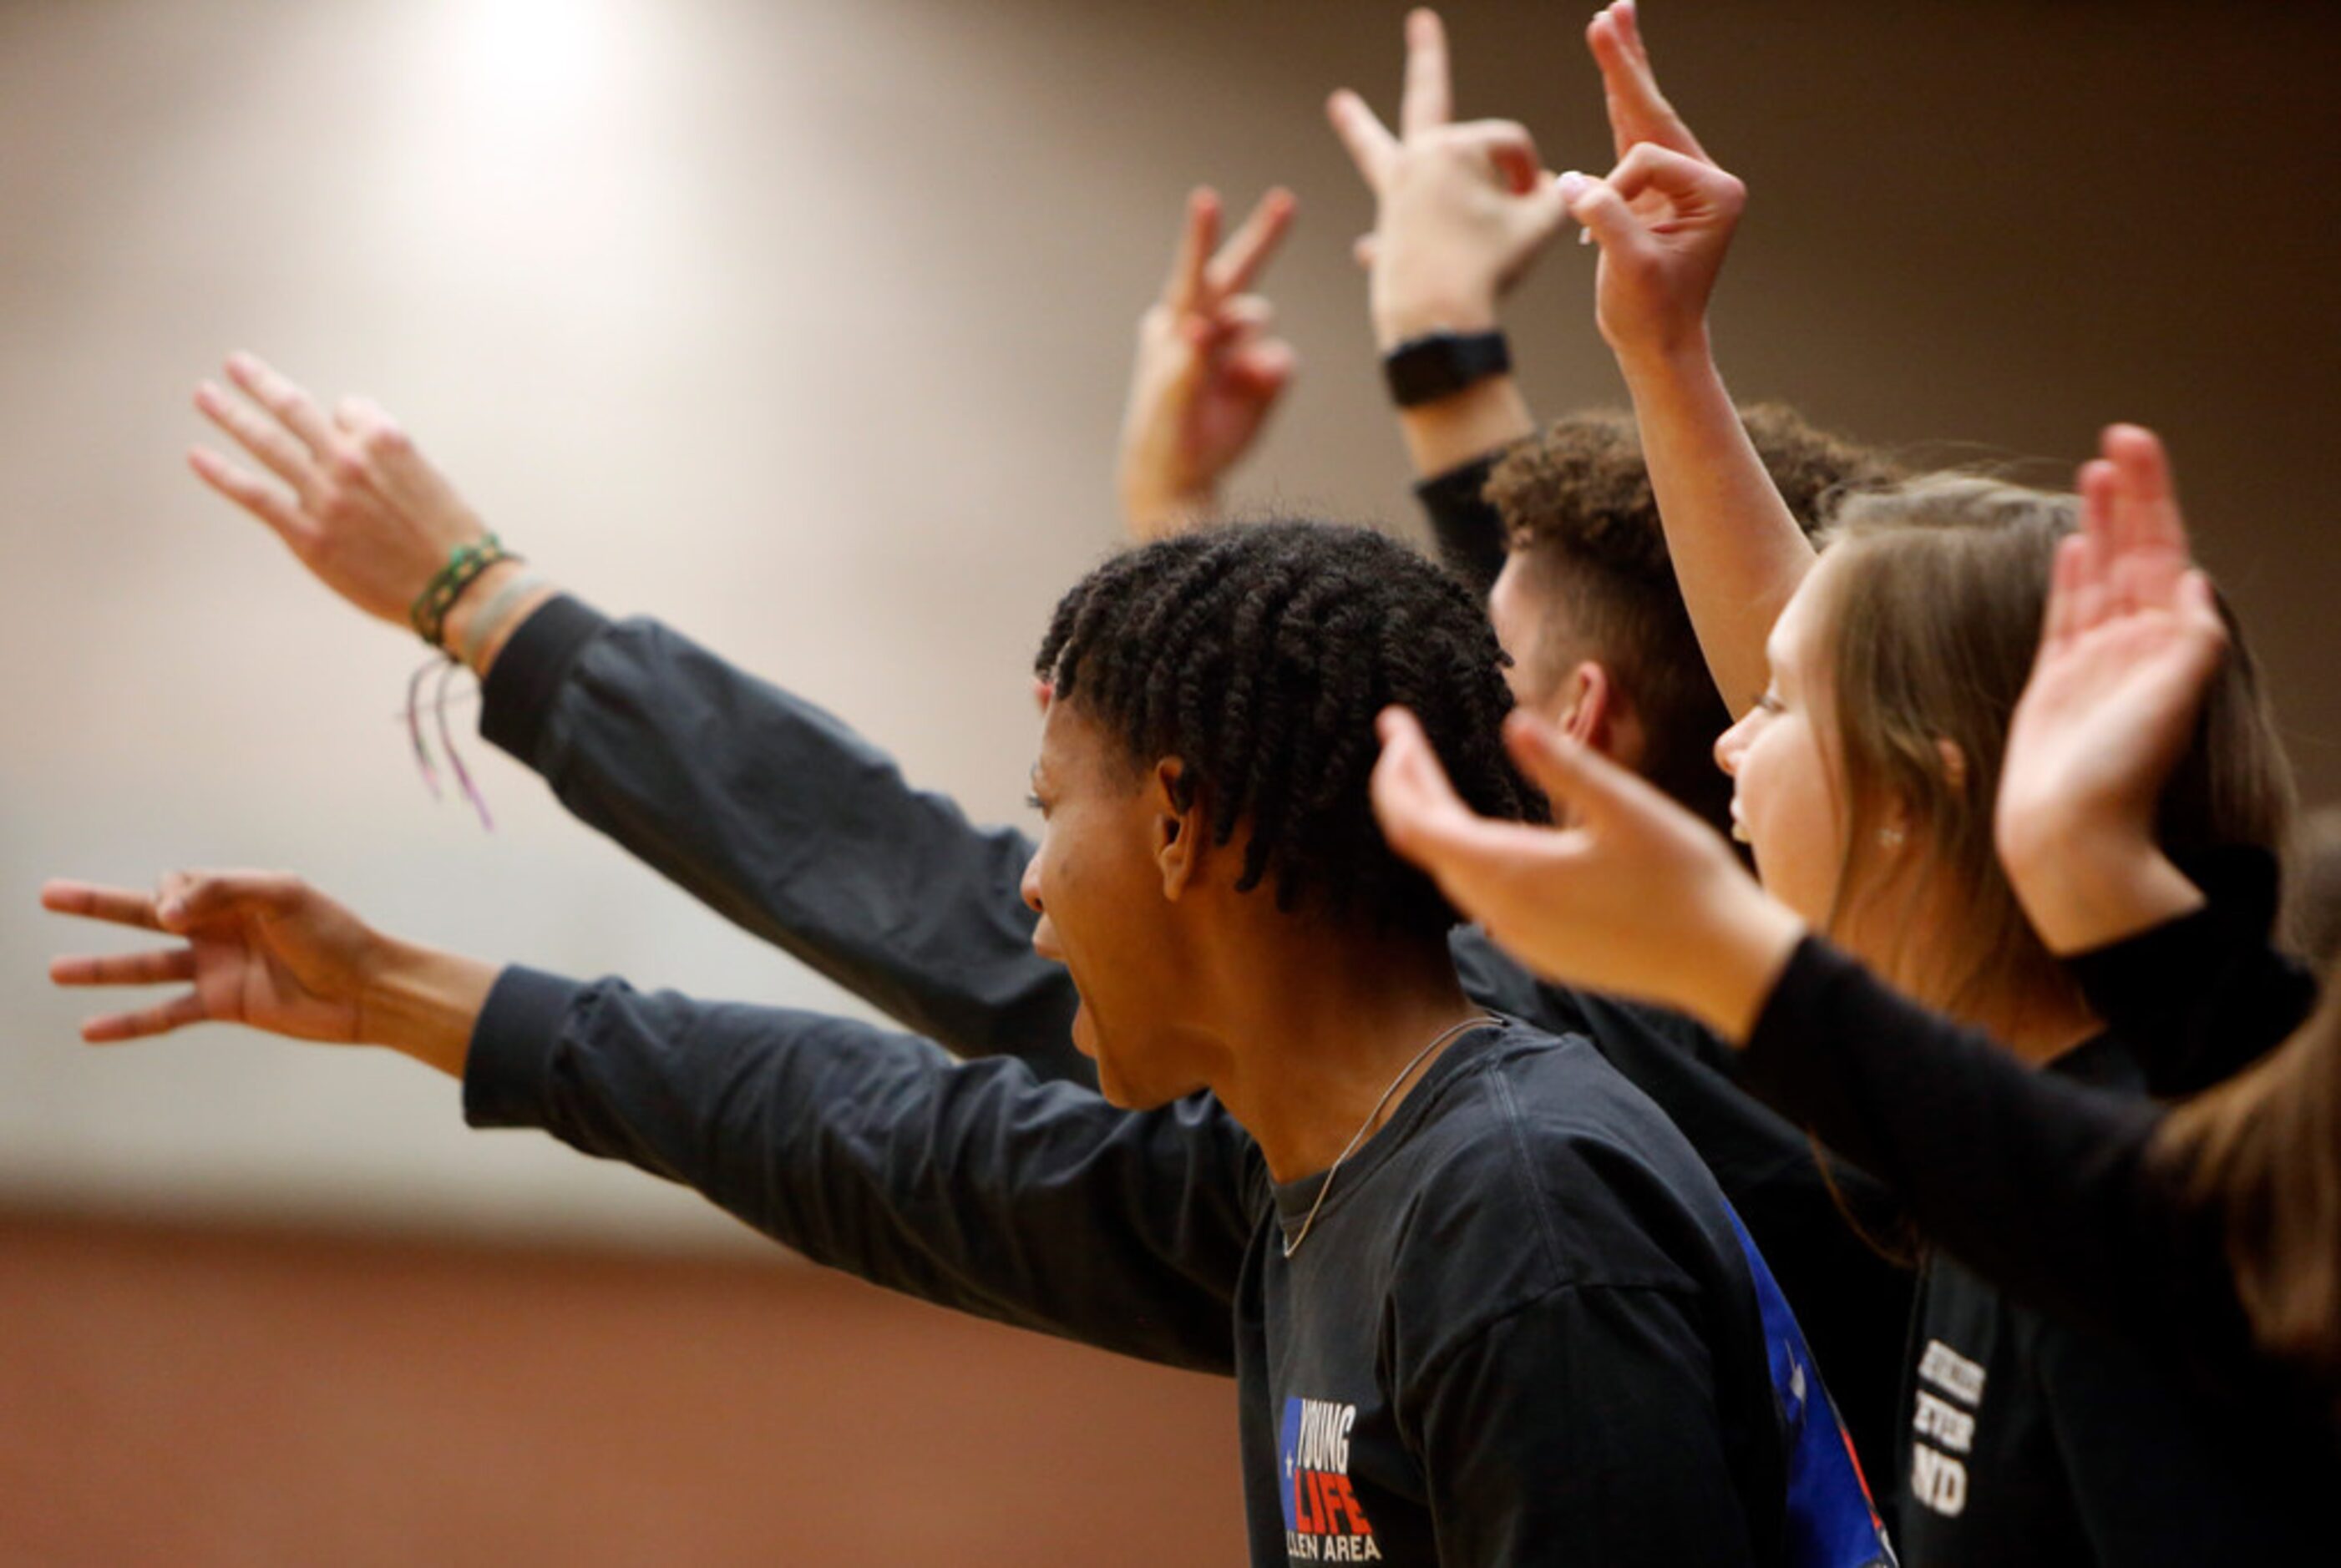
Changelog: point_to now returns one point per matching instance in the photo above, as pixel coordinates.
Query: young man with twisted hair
(1482, 1302)
(803, 833)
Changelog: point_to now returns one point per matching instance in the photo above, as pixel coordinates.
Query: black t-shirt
(782, 818)
(1520, 1330)
(2069, 1424)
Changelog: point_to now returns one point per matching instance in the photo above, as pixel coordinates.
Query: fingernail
(1574, 184)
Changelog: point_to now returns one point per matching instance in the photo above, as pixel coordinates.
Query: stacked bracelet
(493, 615)
(465, 564)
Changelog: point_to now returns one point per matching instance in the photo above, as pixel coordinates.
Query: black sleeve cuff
(511, 1048)
(1469, 531)
(516, 699)
(2200, 997)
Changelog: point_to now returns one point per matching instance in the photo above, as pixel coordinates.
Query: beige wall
(803, 326)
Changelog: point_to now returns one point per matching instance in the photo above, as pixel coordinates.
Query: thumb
(1413, 799)
(1604, 213)
(1545, 206)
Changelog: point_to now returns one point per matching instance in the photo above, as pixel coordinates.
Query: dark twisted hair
(1257, 655)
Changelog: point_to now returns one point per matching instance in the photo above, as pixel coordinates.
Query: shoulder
(1542, 1150)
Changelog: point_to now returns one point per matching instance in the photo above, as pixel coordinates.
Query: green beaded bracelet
(465, 563)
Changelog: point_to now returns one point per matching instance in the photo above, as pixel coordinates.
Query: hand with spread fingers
(360, 506)
(1664, 216)
(268, 951)
(1461, 210)
(1634, 896)
(1210, 369)
(2131, 643)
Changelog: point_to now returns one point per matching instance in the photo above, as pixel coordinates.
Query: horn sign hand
(1461, 210)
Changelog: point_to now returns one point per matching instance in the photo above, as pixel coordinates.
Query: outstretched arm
(769, 810)
(972, 1186)
(1664, 218)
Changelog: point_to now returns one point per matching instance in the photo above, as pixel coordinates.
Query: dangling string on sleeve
(465, 565)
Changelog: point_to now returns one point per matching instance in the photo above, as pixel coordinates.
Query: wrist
(1671, 359)
(2085, 888)
(1154, 511)
(463, 635)
(423, 1003)
(1398, 319)
(1742, 964)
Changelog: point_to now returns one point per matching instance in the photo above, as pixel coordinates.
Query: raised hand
(1461, 210)
(361, 507)
(2131, 643)
(1634, 896)
(268, 951)
(1209, 371)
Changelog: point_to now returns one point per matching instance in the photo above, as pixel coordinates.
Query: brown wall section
(200, 1396)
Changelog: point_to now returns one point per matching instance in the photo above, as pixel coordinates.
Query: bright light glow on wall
(530, 61)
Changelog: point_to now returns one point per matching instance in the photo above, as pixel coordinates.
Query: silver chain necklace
(1485, 1020)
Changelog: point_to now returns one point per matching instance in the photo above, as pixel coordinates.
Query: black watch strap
(1441, 364)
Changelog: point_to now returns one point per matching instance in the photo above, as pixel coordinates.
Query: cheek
(1785, 802)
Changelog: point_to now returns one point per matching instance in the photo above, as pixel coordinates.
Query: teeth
(1739, 832)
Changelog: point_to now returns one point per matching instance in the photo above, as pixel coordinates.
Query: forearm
(784, 821)
(425, 1003)
(972, 1186)
(1737, 551)
(1464, 426)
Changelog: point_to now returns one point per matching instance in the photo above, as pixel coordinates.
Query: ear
(1955, 763)
(1178, 834)
(1587, 711)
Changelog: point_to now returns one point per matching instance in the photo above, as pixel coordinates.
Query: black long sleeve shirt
(779, 817)
(2055, 1413)
(1520, 1328)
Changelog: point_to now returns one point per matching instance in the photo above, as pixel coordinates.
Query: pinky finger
(246, 488)
(181, 1010)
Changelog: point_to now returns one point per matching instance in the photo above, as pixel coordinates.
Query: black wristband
(1441, 364)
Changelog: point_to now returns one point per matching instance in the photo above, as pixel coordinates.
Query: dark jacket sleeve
(969, 1185)
(2199, 999)
(785, 821)
(1469, 531)
(2042, 1185)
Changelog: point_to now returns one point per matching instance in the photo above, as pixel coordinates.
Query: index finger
(91, 901)
(1638, 111)
(1241, 259)
(1371, 146)
(1429, 101)
(294, 408)
(1195, 245)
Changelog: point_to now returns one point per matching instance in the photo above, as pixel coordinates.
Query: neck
(1313, 1028)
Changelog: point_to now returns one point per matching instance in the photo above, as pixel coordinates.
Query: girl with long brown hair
(1879, 680)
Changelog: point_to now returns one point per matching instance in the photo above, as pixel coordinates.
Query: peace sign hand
(1209, 369)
